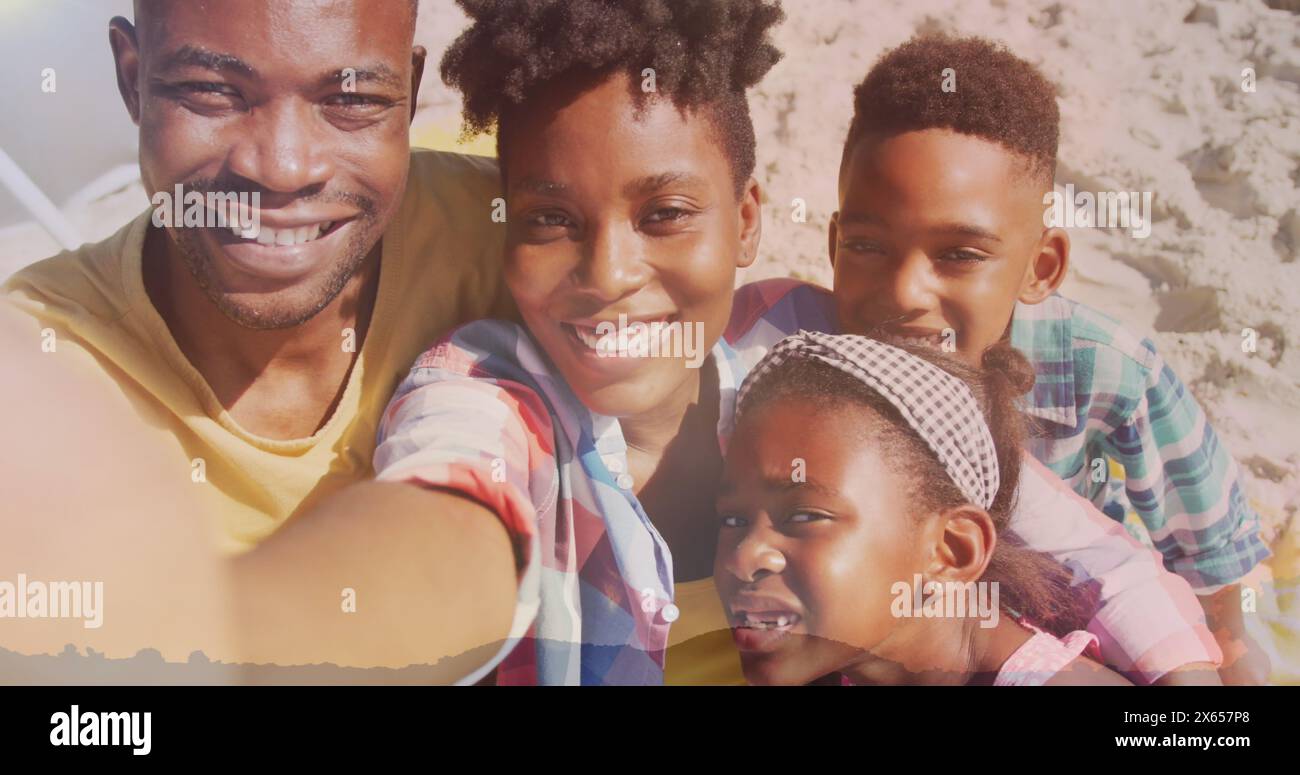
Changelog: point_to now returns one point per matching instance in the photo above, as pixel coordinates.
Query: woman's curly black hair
(704, 53)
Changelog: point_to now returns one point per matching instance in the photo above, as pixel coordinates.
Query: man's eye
(207, 95)
(355, 102)
(206, 86)
(208, 89)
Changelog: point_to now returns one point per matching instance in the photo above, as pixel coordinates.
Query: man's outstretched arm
(431, 575)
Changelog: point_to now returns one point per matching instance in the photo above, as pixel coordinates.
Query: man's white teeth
(282, 237)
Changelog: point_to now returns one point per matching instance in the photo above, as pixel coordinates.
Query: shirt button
(614, 465)
(625, 481)
(670, 613)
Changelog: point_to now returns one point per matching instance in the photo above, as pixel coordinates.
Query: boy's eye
(667, 219)
(667, 214)
(963, 255)
(861, 247)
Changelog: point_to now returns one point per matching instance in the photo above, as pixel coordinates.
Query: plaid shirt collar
(1043, 333)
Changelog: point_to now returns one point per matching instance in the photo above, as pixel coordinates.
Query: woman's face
(619, 214)
(816, 530)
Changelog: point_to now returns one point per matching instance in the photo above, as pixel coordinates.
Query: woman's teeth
(265, 235)
(634, 340)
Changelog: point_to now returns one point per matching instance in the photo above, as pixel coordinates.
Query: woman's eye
(549, 220)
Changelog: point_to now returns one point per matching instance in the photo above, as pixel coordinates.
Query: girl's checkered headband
(938, 406)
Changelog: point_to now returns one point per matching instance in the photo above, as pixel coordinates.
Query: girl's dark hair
(704, 53)
(1031, 584)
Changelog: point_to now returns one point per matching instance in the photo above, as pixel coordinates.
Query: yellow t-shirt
(701, 651)
(440, 267)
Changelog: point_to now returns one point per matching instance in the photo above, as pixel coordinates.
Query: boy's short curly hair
(998, 97)
(704, 53)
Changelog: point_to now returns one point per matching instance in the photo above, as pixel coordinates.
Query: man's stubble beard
(272, 315)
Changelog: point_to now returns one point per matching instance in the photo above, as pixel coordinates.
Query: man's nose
(281, 148)
(613, 265)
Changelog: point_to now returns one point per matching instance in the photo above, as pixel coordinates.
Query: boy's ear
(963, 541)
(832, 237)
(1048, 267)
(751, 222)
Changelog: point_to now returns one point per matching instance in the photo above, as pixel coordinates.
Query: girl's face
(616, 210)
(815, 531)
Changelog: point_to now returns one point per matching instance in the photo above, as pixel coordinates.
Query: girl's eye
(803, 517)
(733, 521)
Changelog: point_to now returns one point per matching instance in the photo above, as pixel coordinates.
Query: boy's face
(815, 531)
(938, 230)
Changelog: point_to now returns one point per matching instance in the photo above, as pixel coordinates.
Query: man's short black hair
(997, 97)
(704, 53)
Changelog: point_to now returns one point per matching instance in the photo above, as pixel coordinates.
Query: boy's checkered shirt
(1101, 391)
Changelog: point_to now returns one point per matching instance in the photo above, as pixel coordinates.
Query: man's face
(306, 104)
(936, 230)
